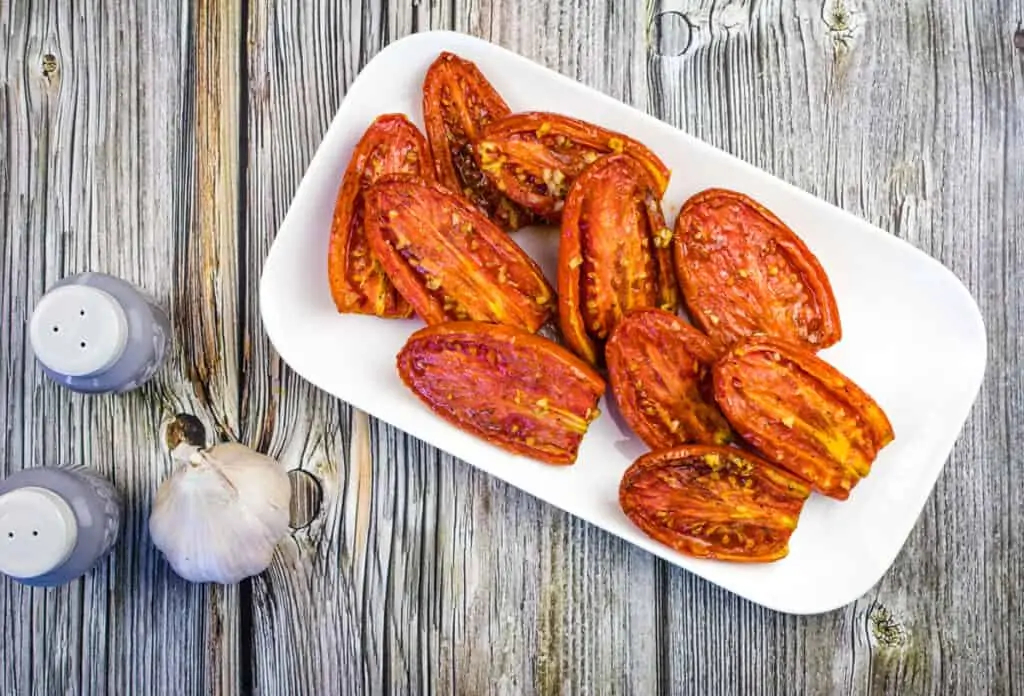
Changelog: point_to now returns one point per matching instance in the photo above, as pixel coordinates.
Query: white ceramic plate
(912, 334)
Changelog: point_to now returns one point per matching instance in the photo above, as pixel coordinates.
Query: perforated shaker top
(38, 532)
(78, 330)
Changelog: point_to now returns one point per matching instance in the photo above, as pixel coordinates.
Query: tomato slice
(801, 413)
(660, 372)
(514, 389)
(391, 145)
(458, 102)
(743, 272)
(534, 157)
(450, 261)
(614, 253)
(714, 502)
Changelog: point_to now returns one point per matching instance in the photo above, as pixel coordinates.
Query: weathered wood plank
(307, 636)
(587, 617)
(438, 579)
(103, 171)
(869, 106)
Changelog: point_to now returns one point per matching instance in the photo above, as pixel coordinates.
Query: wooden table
(163, 141)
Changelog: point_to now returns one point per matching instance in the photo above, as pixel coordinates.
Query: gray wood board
(163, 143)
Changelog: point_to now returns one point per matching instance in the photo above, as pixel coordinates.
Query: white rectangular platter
(912, 334)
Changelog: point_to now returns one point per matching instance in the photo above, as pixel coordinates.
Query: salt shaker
(56, 523)
(96, 333)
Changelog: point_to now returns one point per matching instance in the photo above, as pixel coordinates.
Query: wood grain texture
(164, 142)
(101, 172)
(910, 115)
(427, 572)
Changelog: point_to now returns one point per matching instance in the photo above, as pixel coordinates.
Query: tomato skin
(713, 502)
(516, 390)
(450, 261)
(659, 368)
(742, 272)
(390, 145)
(533, 157)
(801, 413)
(458, 102)
(614, 253)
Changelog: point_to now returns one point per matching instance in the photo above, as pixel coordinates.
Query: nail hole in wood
(673, 33)
(307, 496)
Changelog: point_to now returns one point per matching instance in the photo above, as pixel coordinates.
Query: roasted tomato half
(801, 413)
(743, 272)
(714, 502)
(391, 145)
(458, 102)
(514, 389)
(450, 261)
(614, 253)
(534, 157)
(660, 372)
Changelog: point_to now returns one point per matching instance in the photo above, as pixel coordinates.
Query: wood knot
(307, 497)
(50, 65)
(185, 428)
(1018, 39)
(886, 631)
(842, 18)
(672, 33)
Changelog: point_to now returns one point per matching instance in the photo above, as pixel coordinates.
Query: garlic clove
(221, 514)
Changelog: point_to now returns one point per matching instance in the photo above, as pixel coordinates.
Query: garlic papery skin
(221, 514)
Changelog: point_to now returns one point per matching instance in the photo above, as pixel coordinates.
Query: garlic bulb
(222, 512)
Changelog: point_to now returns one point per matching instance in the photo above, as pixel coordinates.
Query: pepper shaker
(95, 333)
(56, 523)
